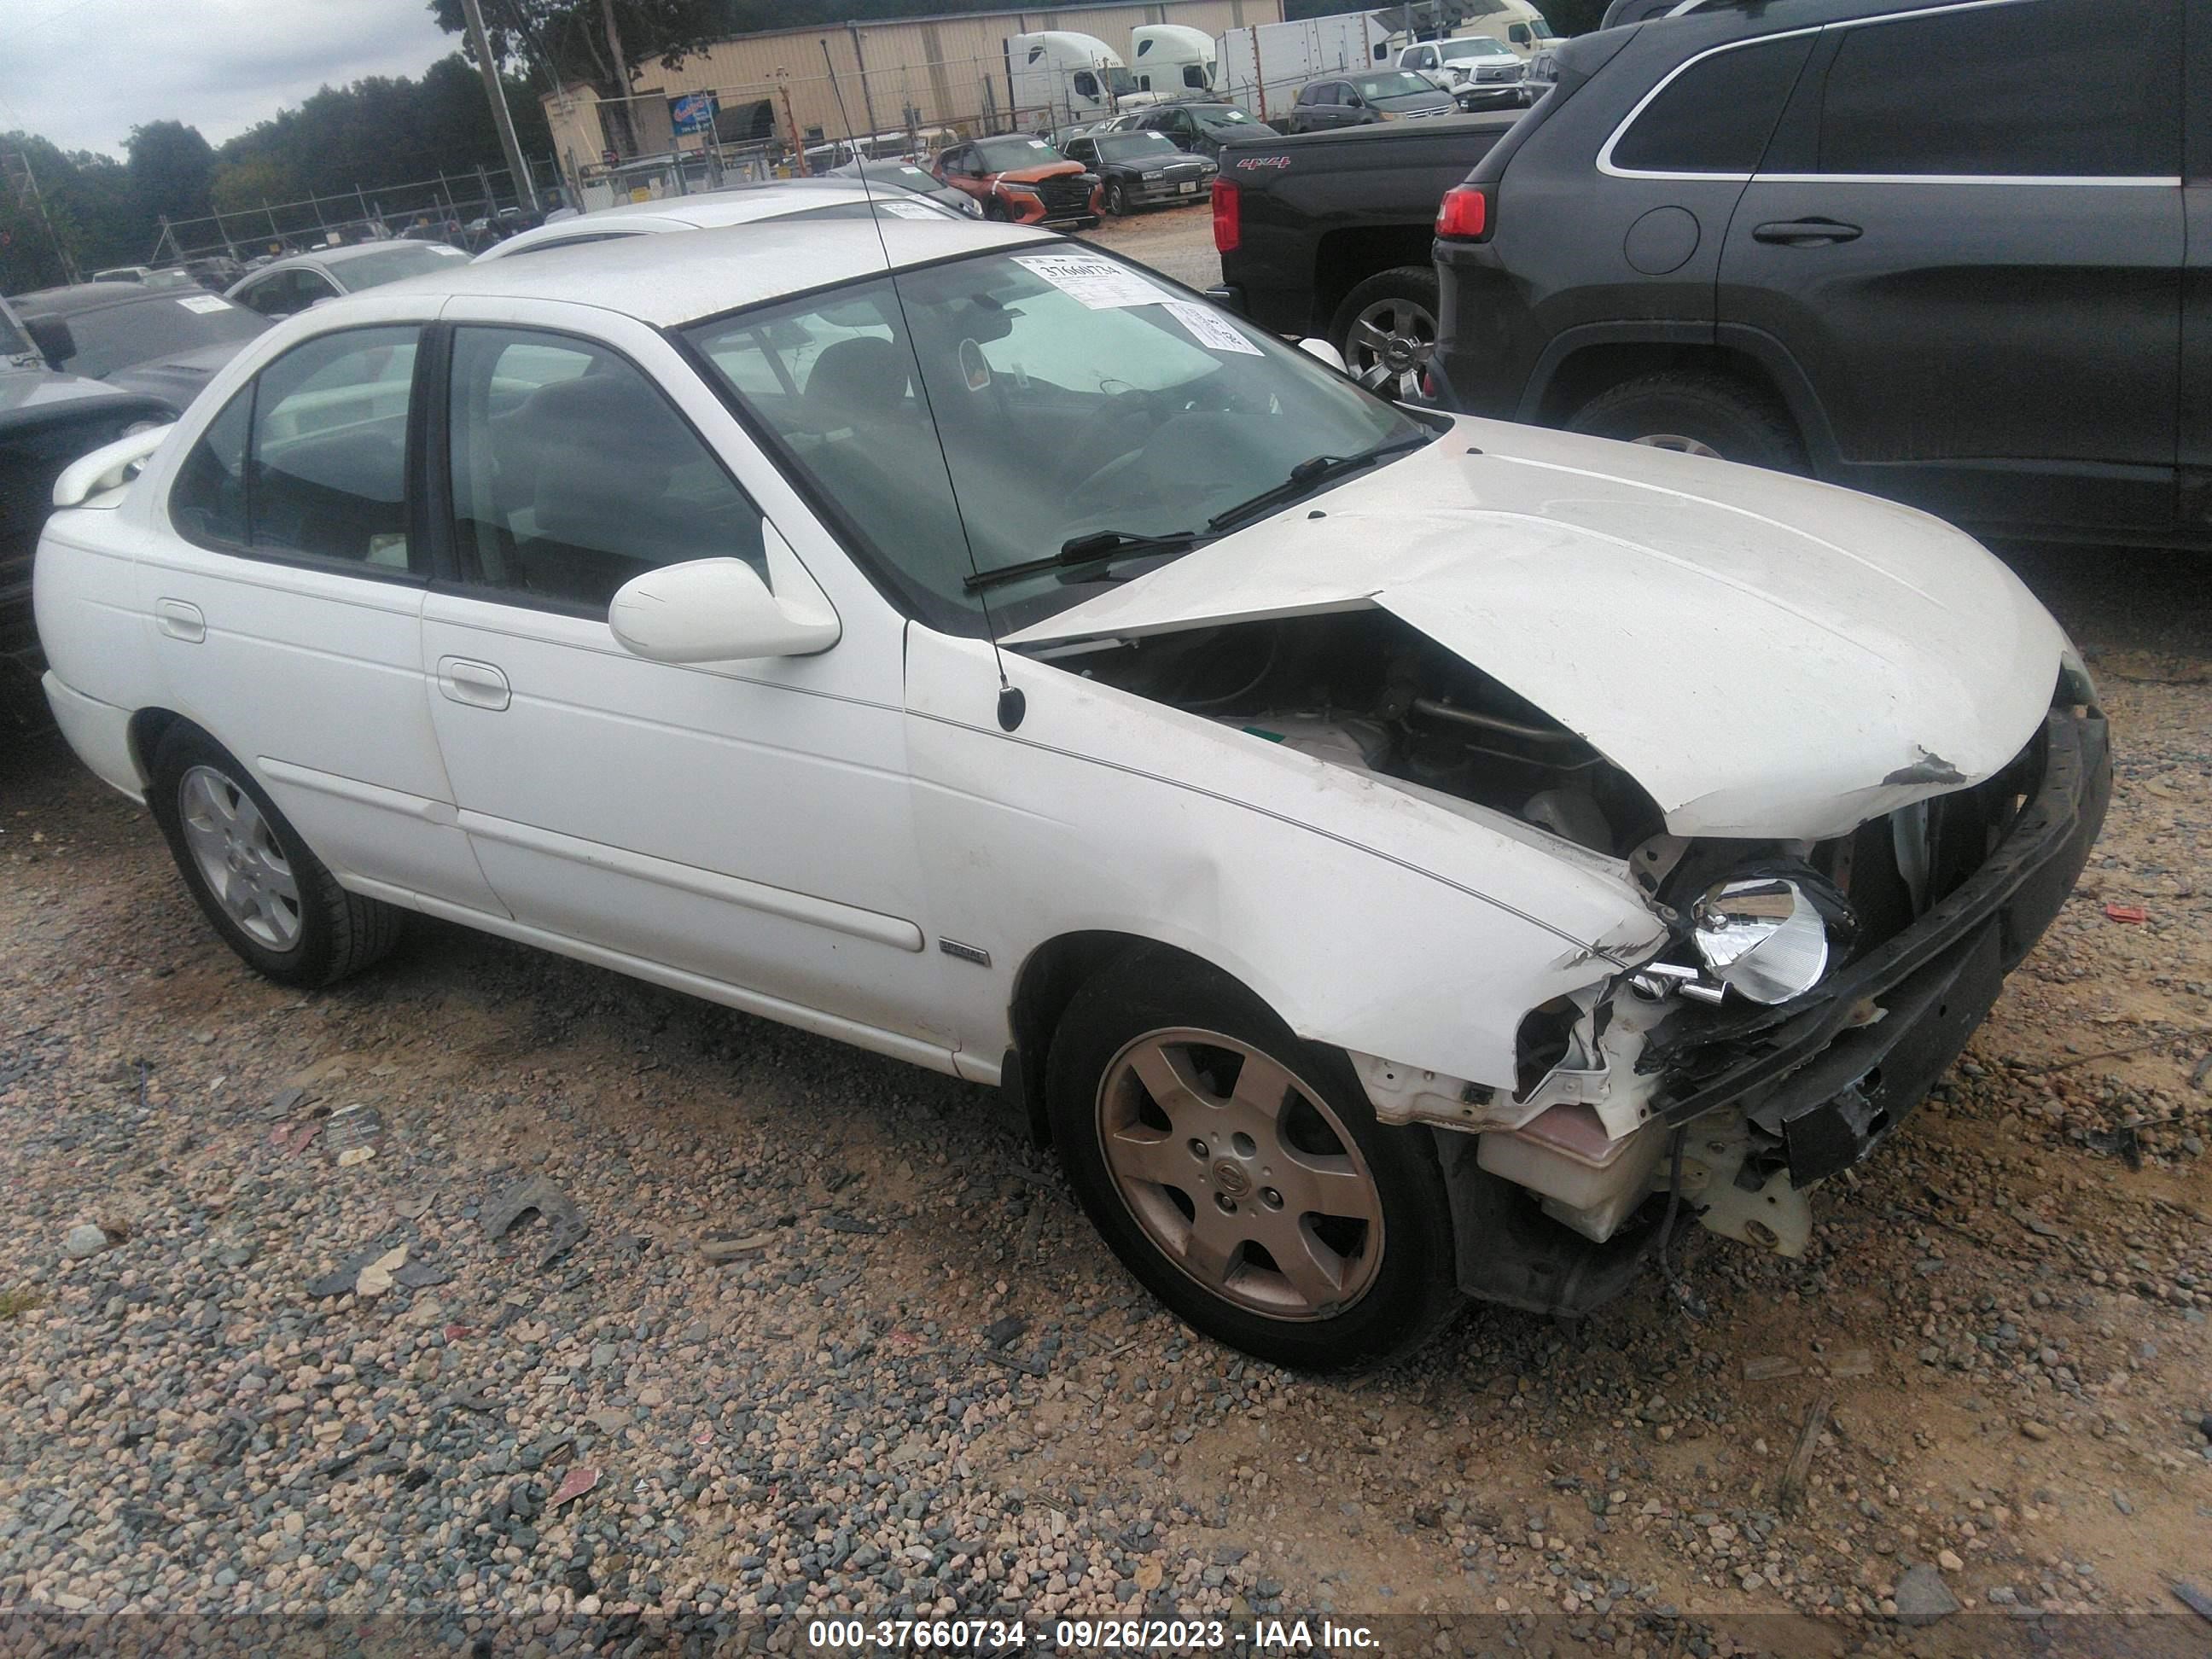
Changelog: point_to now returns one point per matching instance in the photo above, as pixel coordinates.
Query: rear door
(1968, 234)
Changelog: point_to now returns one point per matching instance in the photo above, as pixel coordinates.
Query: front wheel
(1117, 200)
(1239, 1173)
(272, 900)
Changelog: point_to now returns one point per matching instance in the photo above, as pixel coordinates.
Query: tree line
(387, 131)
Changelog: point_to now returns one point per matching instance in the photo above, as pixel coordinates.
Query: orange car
(1024, 180)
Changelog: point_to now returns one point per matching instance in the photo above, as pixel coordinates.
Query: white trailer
(1172, 60)
(1057, 77)
(1263, 67)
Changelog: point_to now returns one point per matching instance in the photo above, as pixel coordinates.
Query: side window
(207, 503)
(572, 473)
(327, 468)
(1717, 115)
(267, 296)
(1518, 33)
(1087, 84)
(1192, 76)
(310, 286)
(2049, 87)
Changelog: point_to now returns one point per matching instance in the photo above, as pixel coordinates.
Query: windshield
(1229, 117)
(1073, 395)
(1119, 80)
(1395, 84)
(899, 174)
(1136, 147)
(110, 337)
(1001, 154)
(389, 265)
(1480, 45)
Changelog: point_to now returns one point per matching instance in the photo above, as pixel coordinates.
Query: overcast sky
(84, 72)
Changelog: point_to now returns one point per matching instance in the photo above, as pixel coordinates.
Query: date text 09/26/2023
(1009, 1636)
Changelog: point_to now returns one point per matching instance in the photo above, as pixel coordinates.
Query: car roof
(85, 296)
(667, 281)
(338, 256)
(741, 205)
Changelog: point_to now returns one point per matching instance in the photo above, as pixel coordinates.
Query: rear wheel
(1386, 328)
(1239, 1173)
(270, 898)
(1696, 413)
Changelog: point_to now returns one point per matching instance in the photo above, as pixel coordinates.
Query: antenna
(1012, 703)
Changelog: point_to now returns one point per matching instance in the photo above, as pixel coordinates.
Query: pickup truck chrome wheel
(239, 855)
(1389, 344)
(1241, 1174)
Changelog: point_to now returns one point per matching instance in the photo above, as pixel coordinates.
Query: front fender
(1366, 918)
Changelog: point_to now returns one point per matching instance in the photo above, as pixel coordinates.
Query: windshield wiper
(1098, 547)
(1310, 474)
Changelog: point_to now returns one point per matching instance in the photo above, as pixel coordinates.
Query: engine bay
(1364, 691)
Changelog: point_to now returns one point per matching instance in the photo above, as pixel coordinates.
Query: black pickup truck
(1329, 233)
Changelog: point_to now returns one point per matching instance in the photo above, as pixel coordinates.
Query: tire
(1358, 1290)
(1696, 413)
(1117, 199)
(289, 918)
(1386, 328)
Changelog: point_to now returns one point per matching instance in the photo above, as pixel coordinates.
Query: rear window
(1715, 115)
(159, 326)
(2053, 88)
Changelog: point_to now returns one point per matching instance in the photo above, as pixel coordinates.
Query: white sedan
(1392, 857)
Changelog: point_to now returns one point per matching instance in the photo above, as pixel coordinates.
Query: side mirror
(1322, 351)
(53, 337)
(721, 610)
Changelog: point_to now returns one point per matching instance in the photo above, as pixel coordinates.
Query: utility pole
(526, 193)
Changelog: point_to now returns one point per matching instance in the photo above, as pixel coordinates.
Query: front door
(1969, 235)
(743, 826)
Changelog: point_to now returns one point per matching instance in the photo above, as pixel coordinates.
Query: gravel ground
(259, 1349)
(1176, 241)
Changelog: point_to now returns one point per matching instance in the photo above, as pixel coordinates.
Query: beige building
(945, 72)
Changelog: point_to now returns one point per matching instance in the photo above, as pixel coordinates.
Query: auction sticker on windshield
(1209, 328)
(204, 303)
(909, 210)
(1097, 284)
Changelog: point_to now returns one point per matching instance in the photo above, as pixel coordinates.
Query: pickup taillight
(1228, 220)
(1467, 214)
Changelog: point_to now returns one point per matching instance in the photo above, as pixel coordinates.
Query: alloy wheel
(240, 857)
(1388, 345)
(1240, 1174)
(1680, 444)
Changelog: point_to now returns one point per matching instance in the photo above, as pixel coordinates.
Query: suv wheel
(1386, 327)
(1239, 1173)
(271, 899)
(1695, 414)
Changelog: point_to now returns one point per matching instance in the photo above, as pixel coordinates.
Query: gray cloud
(84, 72)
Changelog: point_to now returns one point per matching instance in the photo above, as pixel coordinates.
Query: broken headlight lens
(1763, 936)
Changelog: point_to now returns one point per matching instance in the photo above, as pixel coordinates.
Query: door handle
(179, 621)
(1806, 233)
(478, 685)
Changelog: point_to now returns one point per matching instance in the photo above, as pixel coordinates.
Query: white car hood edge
(1767, 656)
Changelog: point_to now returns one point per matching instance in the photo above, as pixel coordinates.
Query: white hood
(1767, 656)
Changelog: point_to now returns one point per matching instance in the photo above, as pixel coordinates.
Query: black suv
(1943, 254)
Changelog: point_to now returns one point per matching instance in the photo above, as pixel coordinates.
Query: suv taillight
(1466, 214)
(1228, 223)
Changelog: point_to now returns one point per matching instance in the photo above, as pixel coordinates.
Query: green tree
(171, 168)
(88, 205)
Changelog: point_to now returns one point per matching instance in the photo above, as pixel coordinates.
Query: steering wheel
(1094, 436)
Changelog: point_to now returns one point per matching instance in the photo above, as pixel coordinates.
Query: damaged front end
(1680, 1096)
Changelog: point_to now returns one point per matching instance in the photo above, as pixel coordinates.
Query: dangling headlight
(1763, 936)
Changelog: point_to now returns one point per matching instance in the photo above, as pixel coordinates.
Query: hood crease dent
(1768, 657)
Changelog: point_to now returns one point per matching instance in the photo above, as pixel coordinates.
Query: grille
(1065, 194)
